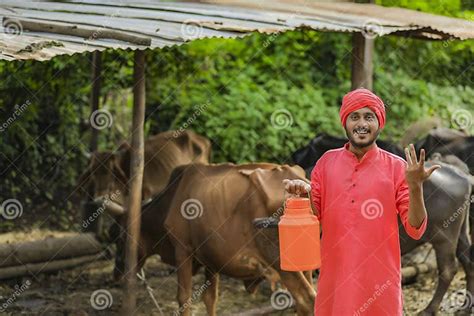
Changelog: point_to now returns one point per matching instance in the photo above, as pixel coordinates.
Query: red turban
(359, 99)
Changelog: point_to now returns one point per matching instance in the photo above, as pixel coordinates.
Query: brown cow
(108, 174)
(109, 171)
(204, 218)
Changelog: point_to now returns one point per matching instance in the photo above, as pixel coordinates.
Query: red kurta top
(358, 204)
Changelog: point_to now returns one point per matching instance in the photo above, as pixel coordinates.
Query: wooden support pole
(362, 53)
(135, 185)
(362, 66)
(87, 211)
(95, 94)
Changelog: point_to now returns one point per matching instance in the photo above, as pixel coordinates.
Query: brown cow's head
(106, 174)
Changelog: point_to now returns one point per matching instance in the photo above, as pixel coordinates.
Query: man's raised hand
(415, 172)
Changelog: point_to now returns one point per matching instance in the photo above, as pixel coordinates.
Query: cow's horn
(110, 206)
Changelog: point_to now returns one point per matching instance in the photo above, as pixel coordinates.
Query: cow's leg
(251, 285)
(211, 292)
(117, 236)
(185, 270)
(447, 267)
(142, 254)
(302, 292)
(463, 253)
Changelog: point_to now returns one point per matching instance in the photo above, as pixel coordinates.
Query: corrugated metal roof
(42, 30)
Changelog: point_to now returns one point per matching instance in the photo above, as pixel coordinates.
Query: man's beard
(362, 144)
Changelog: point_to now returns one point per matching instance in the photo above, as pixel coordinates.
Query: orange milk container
(299, 236)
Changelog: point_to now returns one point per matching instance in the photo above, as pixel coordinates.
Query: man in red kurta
(357, 192)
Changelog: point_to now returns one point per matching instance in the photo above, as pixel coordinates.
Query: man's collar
(368, 155)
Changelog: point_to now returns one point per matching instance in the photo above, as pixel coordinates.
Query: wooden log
(86, 32)
(135, 185)
(48, 266)
(48, 249)
(266, 310)
(411, 272)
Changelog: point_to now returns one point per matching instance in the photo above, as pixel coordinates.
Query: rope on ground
(141, 276)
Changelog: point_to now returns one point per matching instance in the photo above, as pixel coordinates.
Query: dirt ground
(90, 290)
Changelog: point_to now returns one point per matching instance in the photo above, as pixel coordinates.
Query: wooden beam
(362, 65)
(87, 32)
(135, 185)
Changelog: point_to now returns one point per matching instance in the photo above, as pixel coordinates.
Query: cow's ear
(269, 182)
(183, 140)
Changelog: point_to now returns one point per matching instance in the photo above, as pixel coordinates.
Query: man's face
(362, 127)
